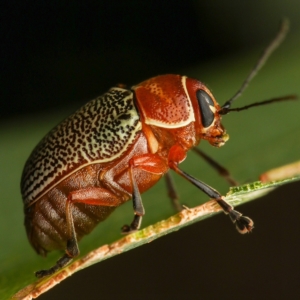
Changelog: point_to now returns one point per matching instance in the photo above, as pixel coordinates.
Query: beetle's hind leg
(91, 196)
(63, 261)
(72, 249)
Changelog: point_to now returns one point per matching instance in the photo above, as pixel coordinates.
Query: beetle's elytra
(113, 149)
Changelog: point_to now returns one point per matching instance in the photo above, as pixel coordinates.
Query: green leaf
(236, 196)
(260, 139)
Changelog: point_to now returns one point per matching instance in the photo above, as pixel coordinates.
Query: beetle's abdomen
(46, 226)
(45, 220)
(98, 132)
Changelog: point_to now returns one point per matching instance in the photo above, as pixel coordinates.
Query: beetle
(116, 147)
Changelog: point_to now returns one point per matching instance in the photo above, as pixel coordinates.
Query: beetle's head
(207, 113)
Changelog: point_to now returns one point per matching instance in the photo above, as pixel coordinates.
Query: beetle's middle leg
(172, 192)
(151, 163)
(223, 172)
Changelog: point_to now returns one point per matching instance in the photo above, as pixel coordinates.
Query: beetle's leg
(72, 249)
(172, 193)
(138, 207)
(243, 224)
(220, 169)
(63, 261)
(91, 196)
(151, 163)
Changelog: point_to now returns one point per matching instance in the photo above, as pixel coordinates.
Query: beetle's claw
(43, 273)
(127, 229)
(243, 224)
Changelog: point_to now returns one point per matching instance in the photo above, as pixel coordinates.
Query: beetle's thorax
(163, 102)
(161, 140)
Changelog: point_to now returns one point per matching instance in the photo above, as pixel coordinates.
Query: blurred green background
(57, 56)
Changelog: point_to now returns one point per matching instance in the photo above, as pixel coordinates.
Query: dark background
(57, 54)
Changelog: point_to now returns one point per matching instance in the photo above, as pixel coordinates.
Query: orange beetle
(113, 149)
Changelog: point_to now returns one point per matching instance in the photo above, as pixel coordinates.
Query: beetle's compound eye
(205, 101)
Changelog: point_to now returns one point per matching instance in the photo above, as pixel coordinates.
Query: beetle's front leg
(151, 163)
(243, 224)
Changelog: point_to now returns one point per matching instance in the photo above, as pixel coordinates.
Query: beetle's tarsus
(72, 247)
(63, 261)
(134, 226)
(234, 215)
(244, 225)
(126, 229)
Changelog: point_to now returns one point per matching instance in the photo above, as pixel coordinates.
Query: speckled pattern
(100, 131)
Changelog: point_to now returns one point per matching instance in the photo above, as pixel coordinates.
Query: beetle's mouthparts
(220, 140)
(225, 137)
(223, 140)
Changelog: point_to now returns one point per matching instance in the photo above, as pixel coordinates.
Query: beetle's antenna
(272, 100)
(282, 32)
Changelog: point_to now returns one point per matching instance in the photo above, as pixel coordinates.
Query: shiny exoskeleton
(111, 150)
